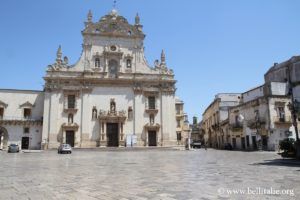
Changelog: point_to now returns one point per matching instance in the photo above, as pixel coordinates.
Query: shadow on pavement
(280, 162)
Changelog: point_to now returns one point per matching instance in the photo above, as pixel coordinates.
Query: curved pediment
(113, 25)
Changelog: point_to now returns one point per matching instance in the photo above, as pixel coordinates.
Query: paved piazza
(148, 174)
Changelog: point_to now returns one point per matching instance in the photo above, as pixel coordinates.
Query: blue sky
(212, 46)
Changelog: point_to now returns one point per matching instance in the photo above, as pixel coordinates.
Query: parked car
(13, 148)
(227, 146)
(64, 148)
(196, 144)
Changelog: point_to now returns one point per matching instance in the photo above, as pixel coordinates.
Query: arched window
(97, 62)
(128, 63)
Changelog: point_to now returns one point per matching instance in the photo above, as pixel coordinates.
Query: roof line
(20, 90)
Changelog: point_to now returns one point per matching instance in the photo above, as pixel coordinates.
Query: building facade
(182, 125)
(111, 97)
(262, 119)
(21, 118)
(215, 115)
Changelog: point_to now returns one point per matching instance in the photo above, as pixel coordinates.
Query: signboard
(134, 139)
(128, 141)
(131, 140)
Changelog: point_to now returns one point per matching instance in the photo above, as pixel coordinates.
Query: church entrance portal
(112, 135)
(152, 138)
(70, 138)
(3, 138)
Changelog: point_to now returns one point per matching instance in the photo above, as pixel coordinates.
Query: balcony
(282, 121)
(151, 110)
(236, 127)
(256, 123)
(70, 110)
(16, 120)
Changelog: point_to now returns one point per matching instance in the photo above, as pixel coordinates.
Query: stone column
(1, 142)
(147, 135)
(103, 134)
(64, 136)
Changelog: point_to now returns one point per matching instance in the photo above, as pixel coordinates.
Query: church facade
(111, 97)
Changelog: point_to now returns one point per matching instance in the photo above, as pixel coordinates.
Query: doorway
(248, 141)
(70, 138)
(234, 143)
(254, 144)
(243, 143)
(152, 138)
(264, 142)
(25, 143)
(112, 135)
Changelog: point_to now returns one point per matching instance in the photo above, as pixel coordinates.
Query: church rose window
(113, 48)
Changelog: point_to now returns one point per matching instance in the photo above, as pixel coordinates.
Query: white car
(64, 148)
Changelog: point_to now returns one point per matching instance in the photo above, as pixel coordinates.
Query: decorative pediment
(27, 104)
(112, 115)
(152, 126)
(71, 91)
(2, 104)
(70, 126)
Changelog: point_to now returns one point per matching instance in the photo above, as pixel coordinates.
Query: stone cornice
(154, 126)
(70, 126)
(22, 122)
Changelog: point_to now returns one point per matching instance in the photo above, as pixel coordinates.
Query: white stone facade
(117, 94)
(21, 117)
(110, 97)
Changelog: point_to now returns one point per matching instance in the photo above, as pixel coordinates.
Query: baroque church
(110, 98)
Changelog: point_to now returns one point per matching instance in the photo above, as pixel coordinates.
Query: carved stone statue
(94, 113)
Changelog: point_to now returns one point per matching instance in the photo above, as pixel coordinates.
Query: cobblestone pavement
(148, 174)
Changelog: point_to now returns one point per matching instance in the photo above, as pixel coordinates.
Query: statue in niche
(94, 113)
(70, 118)
(112, 106)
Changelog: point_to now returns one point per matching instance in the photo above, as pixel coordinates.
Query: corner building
(111, 96)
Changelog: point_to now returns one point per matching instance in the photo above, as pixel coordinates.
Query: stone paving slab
(165, 174)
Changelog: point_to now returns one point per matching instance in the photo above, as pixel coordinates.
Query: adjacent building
(21, 118)
(262, 119)
(182, 125)
(215, 115)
